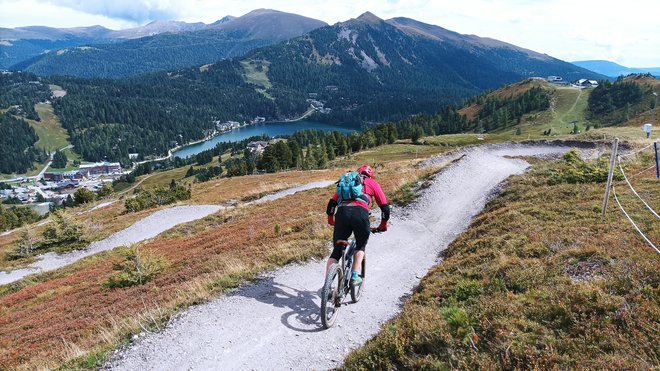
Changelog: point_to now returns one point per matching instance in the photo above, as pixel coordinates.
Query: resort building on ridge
(584, 83)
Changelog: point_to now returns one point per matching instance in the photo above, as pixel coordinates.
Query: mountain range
(175, 45)
(99, 52)
(615, 70)
(22, 43)
(364, 70)
(376, 70)
(361, 71)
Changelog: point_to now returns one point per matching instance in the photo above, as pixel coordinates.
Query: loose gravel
(274, 324)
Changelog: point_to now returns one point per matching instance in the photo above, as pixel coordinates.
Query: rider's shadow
(303, 308)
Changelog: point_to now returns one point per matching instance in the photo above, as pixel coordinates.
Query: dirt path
(561, 118)
(274, 323)
(577, 99)
(135, 185)
(43, 171)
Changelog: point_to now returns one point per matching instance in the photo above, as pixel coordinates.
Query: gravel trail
(144, 229)
(274, 324)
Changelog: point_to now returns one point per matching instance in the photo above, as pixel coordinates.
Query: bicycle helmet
(366, 170)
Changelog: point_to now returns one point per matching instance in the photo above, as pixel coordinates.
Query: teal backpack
(349, 188)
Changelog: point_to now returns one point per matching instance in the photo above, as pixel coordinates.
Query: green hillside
(573, 112)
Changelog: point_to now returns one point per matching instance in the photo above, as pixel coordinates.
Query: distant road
(41, 173)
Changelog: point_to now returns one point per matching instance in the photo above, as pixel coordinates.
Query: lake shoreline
(275, 128)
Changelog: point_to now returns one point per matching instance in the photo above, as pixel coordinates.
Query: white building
(584, 83)
(257, 147)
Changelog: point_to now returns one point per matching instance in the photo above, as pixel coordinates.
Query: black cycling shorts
(350, 219)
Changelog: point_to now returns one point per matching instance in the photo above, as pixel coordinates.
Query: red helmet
(366, 170)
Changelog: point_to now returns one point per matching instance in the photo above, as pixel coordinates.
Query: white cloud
(17, 13)
(130, 10)
(567, 29)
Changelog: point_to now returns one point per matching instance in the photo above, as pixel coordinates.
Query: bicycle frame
(332, 297)
(347, 265)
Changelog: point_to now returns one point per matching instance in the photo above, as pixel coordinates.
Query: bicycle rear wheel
(330, 296)
(356, 291)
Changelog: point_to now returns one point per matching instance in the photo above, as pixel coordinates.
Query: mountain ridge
(359, 72)
(23, 46)
(614, 70)
(230, 37)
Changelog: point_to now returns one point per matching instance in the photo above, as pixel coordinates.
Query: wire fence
(637, 151)
(652, 167)
(632, 222)
(634, 191)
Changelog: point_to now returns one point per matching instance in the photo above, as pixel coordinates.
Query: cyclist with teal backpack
(348, 212)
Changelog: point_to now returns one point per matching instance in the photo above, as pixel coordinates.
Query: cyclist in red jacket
(353, 217)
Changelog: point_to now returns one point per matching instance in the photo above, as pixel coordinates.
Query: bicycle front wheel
(330, 296)
(356, 291)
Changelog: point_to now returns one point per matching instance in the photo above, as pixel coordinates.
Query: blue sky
(624, 32)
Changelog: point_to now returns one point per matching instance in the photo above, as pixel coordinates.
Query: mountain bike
(338, 285)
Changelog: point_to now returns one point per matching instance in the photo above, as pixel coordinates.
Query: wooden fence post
(615, 148)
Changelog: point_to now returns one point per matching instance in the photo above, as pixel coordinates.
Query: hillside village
(54, 186)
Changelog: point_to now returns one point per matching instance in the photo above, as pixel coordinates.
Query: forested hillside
(167, 51)
(109, 119)
(19, 92)
(17, 149)
(14, 52)
(23, 43)
(506, 107)
(148, 54)
(615, 103)
(368, 69)
(363, 71)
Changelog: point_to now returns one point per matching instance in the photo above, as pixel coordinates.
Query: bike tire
(356, 292)
(330, 296)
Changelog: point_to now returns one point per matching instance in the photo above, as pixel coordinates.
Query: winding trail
(274, 323)
(142, 230)
(135, 185)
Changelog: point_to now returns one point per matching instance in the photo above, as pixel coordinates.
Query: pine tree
(59, 160)
(190, 172)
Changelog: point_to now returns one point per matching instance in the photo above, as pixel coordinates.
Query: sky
(624, 32)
